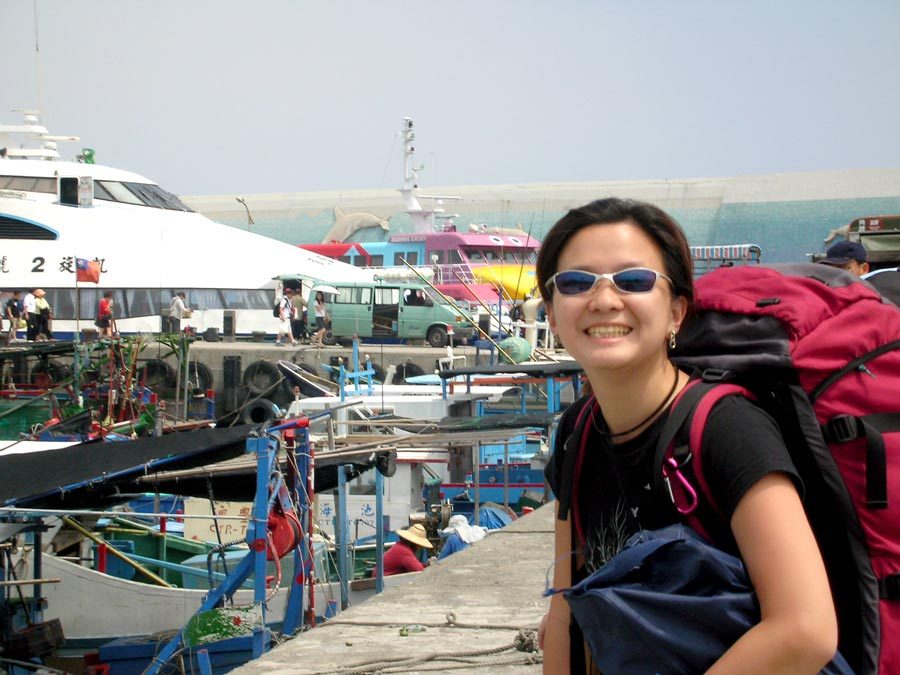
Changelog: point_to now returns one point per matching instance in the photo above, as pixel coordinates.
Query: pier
(480, 606)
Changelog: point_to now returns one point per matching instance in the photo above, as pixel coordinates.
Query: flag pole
(77, 305)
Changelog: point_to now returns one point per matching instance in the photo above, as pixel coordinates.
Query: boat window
(88, 300)
(100, 192)
(204, 298)
(531, 256)
(345, 259)
(436, 257)
(28, 184)
(510, 257)
(455, 257)
(474, 255)
(119, 192)
(154, 195)
(142, 302)
(62, 303)
(24, 183)
(412, 257)
(376, 261)
(360, 260)
(14, 228)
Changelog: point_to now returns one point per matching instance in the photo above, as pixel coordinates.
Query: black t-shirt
(12, 307)
(616, 495)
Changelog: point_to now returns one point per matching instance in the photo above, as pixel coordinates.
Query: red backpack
(820, 351)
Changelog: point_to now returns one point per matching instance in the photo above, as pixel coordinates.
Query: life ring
(260, 377)
(157, 374)
(260, 411)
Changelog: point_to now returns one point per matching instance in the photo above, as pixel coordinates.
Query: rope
(450, 622)
(524, 652)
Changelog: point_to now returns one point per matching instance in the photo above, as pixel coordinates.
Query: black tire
(437, 336)
(260, 411)
(200, 376)
(260, 376)
(157, 375)
(329, 338)
(405, 370)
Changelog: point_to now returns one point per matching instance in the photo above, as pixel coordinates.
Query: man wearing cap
(848, 255)
(403, 556)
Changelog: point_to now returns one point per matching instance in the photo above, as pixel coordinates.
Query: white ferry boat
(147, 242)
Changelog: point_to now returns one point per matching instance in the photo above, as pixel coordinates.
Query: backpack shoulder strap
(574, 438)
(680, 445)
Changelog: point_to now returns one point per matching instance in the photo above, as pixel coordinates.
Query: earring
(672, 340)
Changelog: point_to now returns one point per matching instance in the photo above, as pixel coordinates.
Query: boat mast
(423, 220)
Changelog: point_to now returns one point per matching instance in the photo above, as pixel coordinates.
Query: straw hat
(415, 535)
(39, 293)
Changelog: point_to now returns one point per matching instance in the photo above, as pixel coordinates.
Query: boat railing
(709, 257)
(453, 274)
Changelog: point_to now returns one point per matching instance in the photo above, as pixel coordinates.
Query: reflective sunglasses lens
(635, 281)
(574, 282)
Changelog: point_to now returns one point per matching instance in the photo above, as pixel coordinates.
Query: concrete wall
(788, 215)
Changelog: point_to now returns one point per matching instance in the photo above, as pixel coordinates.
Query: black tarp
(92, 474)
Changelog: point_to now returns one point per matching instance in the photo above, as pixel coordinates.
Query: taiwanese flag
(87, 270)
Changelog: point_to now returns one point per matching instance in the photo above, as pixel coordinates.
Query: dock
(476, 611)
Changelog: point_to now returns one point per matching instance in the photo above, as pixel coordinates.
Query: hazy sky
(220, 97)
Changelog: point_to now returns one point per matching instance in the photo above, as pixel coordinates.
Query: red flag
(87, 270)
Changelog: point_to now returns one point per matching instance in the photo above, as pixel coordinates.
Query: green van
(387, 311)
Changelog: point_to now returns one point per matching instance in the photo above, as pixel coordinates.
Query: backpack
(276, 309)
(818, 349)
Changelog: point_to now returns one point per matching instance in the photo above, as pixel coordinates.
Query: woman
(43, 315)
(404, 555)
(616, 276)
(322, 319)
(105, 315)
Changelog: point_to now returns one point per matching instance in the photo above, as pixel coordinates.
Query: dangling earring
(672, 340)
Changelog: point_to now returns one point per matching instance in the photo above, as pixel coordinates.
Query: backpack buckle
(889, 587)
(841, 429)
(716, 375)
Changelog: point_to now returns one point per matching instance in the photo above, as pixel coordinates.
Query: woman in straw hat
(403, 556)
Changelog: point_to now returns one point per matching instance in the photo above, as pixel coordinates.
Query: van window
(344, 296)
(365, 296)
(387, 296)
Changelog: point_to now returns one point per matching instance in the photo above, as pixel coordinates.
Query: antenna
(37, 58)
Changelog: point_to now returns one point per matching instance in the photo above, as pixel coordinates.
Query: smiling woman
(617, 279)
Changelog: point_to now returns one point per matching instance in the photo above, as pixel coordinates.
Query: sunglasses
(632, 280)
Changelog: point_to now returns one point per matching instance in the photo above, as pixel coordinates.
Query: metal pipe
(116, 552)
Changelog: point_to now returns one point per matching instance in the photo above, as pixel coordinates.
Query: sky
(220, 97)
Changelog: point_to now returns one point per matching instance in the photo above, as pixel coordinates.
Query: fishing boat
(473, 263)
(74, 227)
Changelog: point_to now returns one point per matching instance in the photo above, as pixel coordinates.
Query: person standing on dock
(105, 315)
(285, 315)
(403, 556)
(178, 310)
(12, 313)
(322, 319)
(30, 315)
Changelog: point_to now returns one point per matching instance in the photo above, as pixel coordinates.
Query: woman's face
(604, 328)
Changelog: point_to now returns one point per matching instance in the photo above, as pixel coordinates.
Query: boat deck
(493, 588)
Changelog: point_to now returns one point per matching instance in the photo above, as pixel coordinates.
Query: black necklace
(643, 421)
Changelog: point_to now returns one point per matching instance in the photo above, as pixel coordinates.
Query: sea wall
(787, 215)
